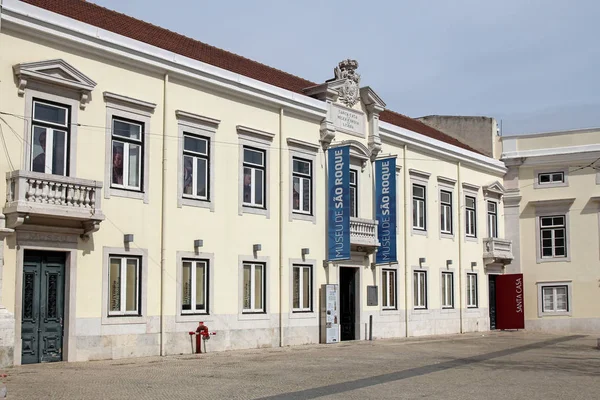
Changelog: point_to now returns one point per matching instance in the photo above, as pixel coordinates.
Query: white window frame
(542, 312)
(418, 275)
(302, 267)
(446, 210)
(552, 229)
(49, 128)
(193, 301)
(388, 274)
(471, 215)
(258, 140)
(127, 143)
(538, 184)
(419, 210)
(123, 285)
(354, 186)
(303, 177)
(419, 178)
(546, 208)
(448, 296)
(137, 111)
(306, 151)
(195, 256)
(125, 319)
(253, 309)
(472, 296)
(492, 218)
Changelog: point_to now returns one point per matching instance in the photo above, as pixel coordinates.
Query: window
(127, 154)
(194, 291)
(302, 185)
(555, 299)
(447, 290)
(388, 293)
(551, 177)
(353, 193)
(419, 210)
(302, 280)
(124, 286)
(446, 212)
(554, 236)
(50, 130)
(492, 212)
(471, 216)
(254, 288)
(196, 155)
(420, 289)
(471, 290)
(254, 177)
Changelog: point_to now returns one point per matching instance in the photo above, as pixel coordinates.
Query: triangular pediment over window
(54, 72)
(494, 190)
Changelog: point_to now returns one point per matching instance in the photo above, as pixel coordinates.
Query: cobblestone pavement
(498, 365)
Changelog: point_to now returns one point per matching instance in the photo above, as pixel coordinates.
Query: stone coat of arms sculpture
(349, 91)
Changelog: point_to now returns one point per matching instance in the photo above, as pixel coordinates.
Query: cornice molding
(254, 133)
(142, 105)
(197, 119)
(302, 145)
(418, 173)
(470, 187)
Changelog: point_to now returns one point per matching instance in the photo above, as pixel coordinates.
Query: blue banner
(338, 203)
(385, 209)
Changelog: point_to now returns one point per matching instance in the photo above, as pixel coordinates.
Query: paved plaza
(497, 365)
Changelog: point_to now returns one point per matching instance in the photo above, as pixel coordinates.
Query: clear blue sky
(534, 64)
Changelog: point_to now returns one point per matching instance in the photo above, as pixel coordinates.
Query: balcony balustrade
(363, 233)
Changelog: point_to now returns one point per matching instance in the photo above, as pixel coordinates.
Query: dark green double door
(43, 307)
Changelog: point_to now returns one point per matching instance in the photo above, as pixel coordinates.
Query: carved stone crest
(349, 91)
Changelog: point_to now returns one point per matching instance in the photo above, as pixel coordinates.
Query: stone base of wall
(445, 322)
(7, 338)
(564, 325)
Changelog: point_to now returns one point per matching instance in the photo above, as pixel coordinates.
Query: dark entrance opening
(492, 303)
(348, 303)
(43, 306)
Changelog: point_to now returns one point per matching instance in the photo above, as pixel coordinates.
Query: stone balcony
(54, 200)
(497, 251)
(363, 234)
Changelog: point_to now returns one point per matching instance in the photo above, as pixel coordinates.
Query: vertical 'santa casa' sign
(509, 302)
(385, 209)
(338, 203)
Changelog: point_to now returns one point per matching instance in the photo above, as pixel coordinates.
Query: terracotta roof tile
(145, 32)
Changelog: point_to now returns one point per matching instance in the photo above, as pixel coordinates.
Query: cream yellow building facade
(147, 191)
(552, 217)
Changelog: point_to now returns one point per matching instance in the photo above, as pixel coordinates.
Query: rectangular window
(471, 216)
(353, 193)
(254, 288)
(472, 290)
(127, 154)
(255, 165)
(553, 234)
(446, 212)
(388, 293)
(194, 290)
(196, 165)
(555, 299)
(492, 213)
(50, 138)
(302, 186)
(124, 286)
(419, 210)
(551, 177)
(447, 290)
(420, 289)
(302, 288)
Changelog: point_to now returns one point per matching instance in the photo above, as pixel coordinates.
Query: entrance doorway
(43, 306)
(348, 302)
(492, 303)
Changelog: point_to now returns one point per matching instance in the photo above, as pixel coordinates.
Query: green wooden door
(43, 307)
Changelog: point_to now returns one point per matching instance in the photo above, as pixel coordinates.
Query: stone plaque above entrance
(348, 120)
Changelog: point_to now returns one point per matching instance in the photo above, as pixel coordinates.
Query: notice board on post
(510, 312)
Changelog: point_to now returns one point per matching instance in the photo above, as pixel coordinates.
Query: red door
(510, 312)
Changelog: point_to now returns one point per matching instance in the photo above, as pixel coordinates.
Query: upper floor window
(446, 212)
(551, 177)
(127, 154)
(196, 166)
(50, 138)
(471, 216)
(124, 285)
(254, 177)
(553, 233)
(353, 193)
(302, 185)
(419, 209)
(492, 213)
(194, 291)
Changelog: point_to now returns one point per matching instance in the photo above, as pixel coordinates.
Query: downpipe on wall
(163, 223)
(281, 114)
(405, 227)
(460, 239)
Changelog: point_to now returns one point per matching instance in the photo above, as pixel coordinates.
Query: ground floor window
(254, 288)
(472, 290)
(302, 288)
(194, 290)
(447, 290)
(124, 285)
(420, 289)
(388, 284)
(555, 299)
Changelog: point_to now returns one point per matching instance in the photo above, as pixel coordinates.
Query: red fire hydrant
(201, 333)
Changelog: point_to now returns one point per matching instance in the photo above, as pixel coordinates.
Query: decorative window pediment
(357, 151)
(494, 190)
(55, 72)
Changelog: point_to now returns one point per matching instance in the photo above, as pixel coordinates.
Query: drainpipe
(460, 241)
(163, 230)
(406, 219)
(281, 197)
